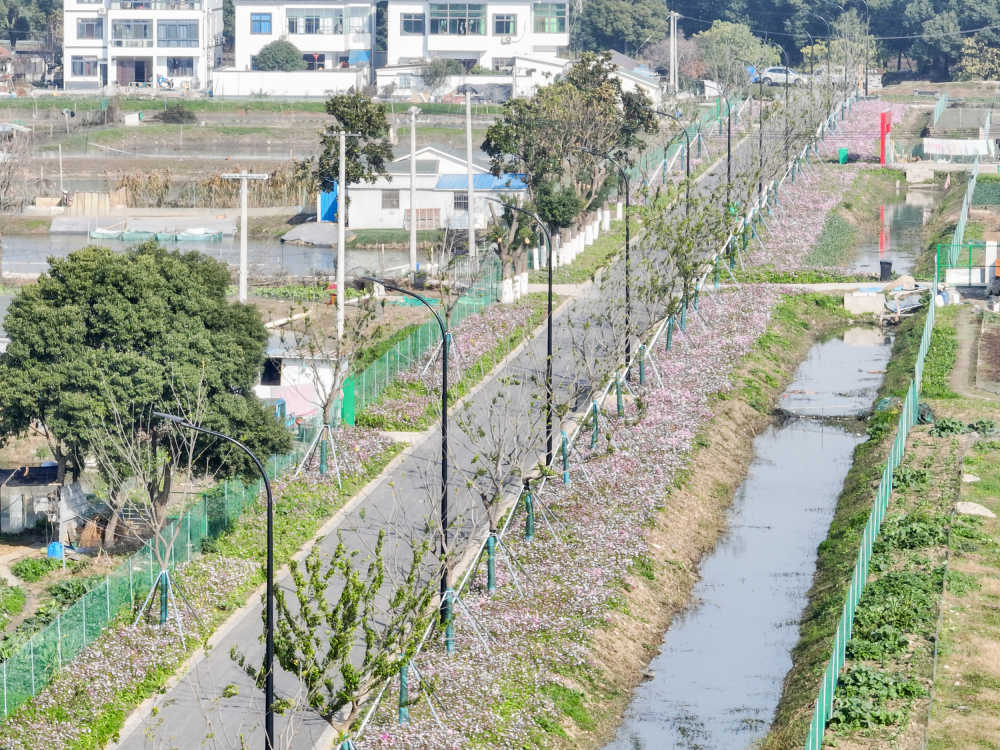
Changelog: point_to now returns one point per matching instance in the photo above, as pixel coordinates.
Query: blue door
(328, 204)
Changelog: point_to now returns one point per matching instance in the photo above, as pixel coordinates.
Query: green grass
(471, 375)
(12, 600)
(835, 245)
(376, 237)
(589, 262)
(771, 275)
(298, 516)
(940, 355)
(837, 553)
(34, 569)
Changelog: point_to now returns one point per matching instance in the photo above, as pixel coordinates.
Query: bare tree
(310, 336)
(12, 163)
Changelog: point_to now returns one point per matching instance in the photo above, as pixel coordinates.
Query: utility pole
(341, 216)
(243, 177)
(674, 78)
(413, 188)
(468, 166)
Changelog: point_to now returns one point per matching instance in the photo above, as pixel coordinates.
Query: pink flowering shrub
(497, 697)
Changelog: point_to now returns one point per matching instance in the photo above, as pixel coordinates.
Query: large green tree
(104, 339)
(279, 55)
(552, 137)
(727, 47)
(367, 151)
(623, 25)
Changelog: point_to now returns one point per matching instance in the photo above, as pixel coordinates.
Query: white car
(776, 77)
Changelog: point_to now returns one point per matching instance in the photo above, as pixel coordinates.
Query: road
(195, 714)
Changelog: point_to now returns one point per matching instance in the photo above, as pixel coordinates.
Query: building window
(84, 66)
(503, 64)
(90, 28)
(260, 23)
(550, 18)
(121, 30)
(390, 199)
(411, 23)
(180, 66)
(359, 21)
(461, 202)
(460, 19)
(316, 21)
(271, 374)
(427, 218)
(177, 34)
(505, 25)
(314, 60)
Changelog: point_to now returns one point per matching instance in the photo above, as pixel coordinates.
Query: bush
(280, 55)
(435, 74)
(33, 569)
(177, 114)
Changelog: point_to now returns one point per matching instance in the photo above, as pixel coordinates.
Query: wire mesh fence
(31, 667)
(907, 418)
(484, 287)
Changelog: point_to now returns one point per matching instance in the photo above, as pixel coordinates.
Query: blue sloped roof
(481, 182)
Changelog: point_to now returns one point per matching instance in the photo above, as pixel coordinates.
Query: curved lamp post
(269, 596)
(628, 263)
(445, 600)
(760, 128)
(548, 344)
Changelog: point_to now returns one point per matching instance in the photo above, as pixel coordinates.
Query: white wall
(319, 83)
(333, 46)
(204, 54)
(366, 210)
(484, 47)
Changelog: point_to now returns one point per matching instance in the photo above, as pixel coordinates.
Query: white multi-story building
(489, 34)
(172, 43)
(330, 35)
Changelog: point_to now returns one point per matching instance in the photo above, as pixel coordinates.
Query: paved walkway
(194, 712)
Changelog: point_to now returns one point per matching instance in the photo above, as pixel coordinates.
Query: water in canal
(716, 682)
(900, 225)
(28, 254)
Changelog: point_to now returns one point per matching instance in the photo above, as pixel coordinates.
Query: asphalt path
(194, 713)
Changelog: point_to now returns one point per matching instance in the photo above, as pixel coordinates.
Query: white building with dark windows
(331, 35)
(489, 34)
(141, 43)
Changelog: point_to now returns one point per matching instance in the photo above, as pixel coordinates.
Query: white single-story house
(294, 376)
(442, 199)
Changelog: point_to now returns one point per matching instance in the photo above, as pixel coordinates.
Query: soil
(688, 527)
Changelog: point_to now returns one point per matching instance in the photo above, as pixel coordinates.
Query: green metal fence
(30, 668)
(484, 291)
(907, 418)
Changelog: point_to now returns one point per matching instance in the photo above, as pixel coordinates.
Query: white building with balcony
(489, 34)
(331, 35)
(141, 43)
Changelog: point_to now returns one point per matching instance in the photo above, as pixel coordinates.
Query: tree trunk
(112, 527)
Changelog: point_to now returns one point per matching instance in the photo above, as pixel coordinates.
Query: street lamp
(784, 56)
(548, 343)
(868, 21)
(628, 242)
(445, 601)
(829, 43)
(687, 157)
(760, 126)
(269, 597)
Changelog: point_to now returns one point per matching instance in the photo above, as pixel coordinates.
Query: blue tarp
(481, 182)
(357, 56)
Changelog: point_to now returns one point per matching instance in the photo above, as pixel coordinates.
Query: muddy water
(900, 234)
(717, 679)
(28, 254)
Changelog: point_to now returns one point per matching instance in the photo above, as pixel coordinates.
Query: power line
(944, 35)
